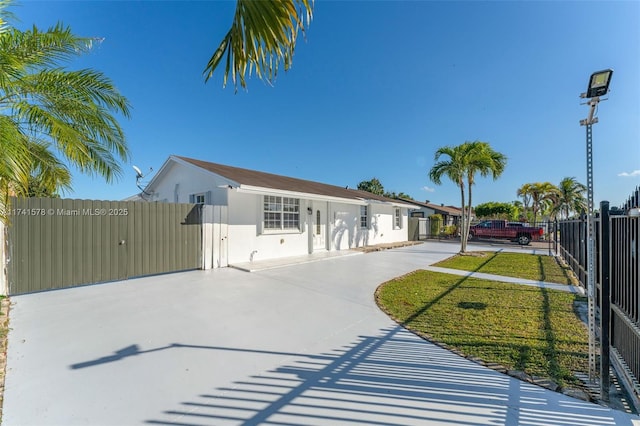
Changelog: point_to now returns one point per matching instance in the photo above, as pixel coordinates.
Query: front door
(318, 226)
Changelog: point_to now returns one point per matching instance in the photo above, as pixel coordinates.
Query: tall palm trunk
(466, 211)
(463, 235)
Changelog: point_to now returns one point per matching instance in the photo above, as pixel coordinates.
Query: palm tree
(525, 192)
(569, 198)
(454, 168)
(50, 115)
(484, 160)
(542, 196)
(519, 209)
(263, 34)
(465, 161)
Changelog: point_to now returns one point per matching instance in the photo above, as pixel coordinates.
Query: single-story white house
(252, 215)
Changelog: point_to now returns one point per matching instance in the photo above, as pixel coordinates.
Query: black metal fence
(572, 246)
(625, 296)
(617, 289)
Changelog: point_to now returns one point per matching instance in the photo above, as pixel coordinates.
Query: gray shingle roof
(450, 210)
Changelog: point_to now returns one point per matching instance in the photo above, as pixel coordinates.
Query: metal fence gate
(57, 243)
(419, 228)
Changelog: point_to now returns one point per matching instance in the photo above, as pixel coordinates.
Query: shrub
(450, 230)
(435, 222)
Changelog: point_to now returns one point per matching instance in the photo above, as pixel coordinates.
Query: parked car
(514, 231)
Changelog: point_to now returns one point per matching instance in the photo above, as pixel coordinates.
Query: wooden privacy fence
(57, 243)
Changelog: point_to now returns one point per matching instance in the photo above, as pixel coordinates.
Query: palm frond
(48, 113)
(48, 176)
(263, 35)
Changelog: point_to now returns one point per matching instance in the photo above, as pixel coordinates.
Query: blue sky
(375, 89)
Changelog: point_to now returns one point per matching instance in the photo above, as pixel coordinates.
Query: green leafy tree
(373, 186)
(569, 198)
(49, 114)
(400, 195)
(496, 210)
(464, 162)
(403, 196)
(262, 36)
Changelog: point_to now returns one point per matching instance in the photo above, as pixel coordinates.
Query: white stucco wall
(190, 181)
(344, 229)
(243, 238)
(383, 228)
(426, 211)
(346, 232)
(248, 242)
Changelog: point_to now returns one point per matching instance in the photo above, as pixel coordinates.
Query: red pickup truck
(502, 229)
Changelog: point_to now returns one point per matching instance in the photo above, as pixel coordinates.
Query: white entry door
(319, 226)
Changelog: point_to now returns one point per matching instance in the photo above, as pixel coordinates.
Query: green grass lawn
(524, 328)
(520, 265)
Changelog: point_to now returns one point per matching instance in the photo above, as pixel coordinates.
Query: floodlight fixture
(599, 83)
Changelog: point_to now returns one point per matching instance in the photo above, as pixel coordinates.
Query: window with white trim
(364, 216)
(200, 198)
(281, 213)
(397, 219)
(197, 198)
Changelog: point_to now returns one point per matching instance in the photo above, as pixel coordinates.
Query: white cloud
(428, 189)
(627, 174)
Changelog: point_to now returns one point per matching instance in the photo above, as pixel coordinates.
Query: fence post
(549, 233)
(555, 236)
(605, 300)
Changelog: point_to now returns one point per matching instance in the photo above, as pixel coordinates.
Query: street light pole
(588, 122)
(598, 85)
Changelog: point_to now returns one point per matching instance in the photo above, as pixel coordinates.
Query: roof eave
(259, 190)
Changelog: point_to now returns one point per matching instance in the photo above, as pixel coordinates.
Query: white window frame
(364, 217)
(200, 197)
(280, 214)
(397, 218)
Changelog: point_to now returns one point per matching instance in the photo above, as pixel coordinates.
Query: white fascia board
(391, 203)
(227, 182)
(173, 159)
(158, 176)
(406, 204)
(258, 190)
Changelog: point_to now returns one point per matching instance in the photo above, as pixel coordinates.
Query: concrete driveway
(299, 345)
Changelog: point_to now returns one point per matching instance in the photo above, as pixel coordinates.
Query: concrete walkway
(297, 345)
(500, 278)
